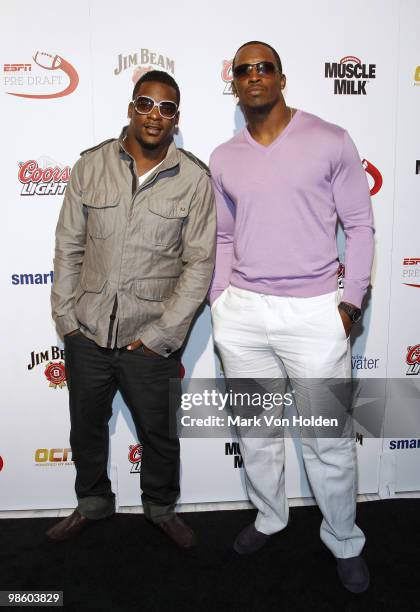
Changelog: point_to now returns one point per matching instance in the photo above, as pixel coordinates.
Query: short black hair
(158, 76)
(259, 42)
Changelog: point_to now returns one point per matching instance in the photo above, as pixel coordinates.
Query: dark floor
(125, 563)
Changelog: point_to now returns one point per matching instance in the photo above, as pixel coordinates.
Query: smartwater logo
(404, 444)
(33, 278)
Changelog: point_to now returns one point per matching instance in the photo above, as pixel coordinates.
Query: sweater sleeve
(354, 209)
(225, 211)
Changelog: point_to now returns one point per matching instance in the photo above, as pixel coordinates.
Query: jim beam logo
(350, 75)
(411, 271)
(54, 371)
(413, 360)
(43, 177)
(143, 61)
(135, 453)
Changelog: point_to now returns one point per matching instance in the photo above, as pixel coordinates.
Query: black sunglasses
(262, 68)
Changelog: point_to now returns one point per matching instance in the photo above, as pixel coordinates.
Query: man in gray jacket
(133, 262)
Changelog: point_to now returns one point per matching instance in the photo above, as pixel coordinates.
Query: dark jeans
(94, 374)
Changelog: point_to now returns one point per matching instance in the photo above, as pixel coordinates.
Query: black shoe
(250, 540)
(179, 532)
(68, 528)
(353, 573)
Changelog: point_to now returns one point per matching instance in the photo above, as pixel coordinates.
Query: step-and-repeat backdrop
(66, 76)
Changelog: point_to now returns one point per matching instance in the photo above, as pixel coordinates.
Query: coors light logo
(413, 360)
(43, 177)
(227, 77)
(135, 452)
(350, 75)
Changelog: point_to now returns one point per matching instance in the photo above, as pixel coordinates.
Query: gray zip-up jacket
(133, 262)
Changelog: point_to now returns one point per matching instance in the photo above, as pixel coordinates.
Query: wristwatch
(354, 313)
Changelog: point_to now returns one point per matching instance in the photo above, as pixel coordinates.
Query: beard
(260, 109)
(149, 146)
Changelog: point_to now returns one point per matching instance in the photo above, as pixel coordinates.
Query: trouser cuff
(158, 513)
(96, 507)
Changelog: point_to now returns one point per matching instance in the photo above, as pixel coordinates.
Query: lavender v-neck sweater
(277, 209)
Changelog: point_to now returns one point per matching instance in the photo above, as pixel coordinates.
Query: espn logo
(17, 67)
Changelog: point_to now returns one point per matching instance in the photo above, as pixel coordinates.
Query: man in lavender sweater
(280, 185)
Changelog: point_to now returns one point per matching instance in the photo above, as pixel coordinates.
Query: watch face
(357, 315)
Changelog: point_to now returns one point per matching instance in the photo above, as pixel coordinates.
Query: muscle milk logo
(143, 61)
(350, 75)
(413, 360)
(232, 448)
(359, 438)
(227, 77)
(417, 76)
(53, 457)
(54, 371)
(410, 275)
(43, 177)
(135, 453)
(46, 76)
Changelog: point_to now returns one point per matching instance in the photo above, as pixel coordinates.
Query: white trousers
(268, 337)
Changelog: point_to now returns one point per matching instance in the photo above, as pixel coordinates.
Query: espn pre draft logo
(42, 77)
(350, 75)
(376, 177)
(410, 274)
(43, 177)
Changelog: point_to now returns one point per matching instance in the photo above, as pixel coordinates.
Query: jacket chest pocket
(165, 221)
(101, 209)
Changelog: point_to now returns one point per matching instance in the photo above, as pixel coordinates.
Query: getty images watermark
(331, 408)
(234, 400)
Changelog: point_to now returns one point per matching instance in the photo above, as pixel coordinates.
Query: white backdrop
(103, 49)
